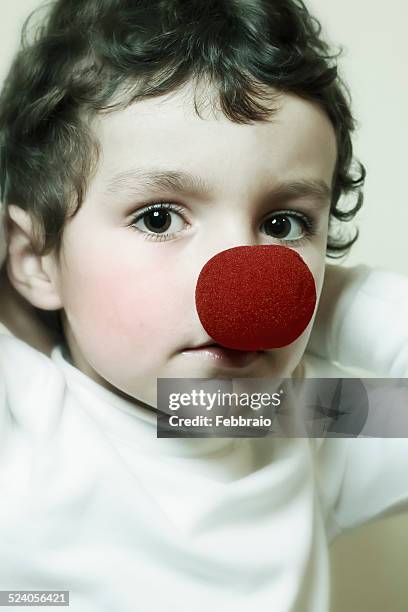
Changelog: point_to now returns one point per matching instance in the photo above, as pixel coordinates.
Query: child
(138, 140)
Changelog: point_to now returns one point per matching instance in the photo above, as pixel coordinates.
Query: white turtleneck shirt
(92, 502)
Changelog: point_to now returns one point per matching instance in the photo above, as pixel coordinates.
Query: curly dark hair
(95, 56)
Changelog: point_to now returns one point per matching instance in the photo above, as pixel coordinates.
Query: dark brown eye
(157, 221)
(285, 226)
(279, 226)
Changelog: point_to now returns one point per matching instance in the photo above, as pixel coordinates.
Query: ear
(34, 276)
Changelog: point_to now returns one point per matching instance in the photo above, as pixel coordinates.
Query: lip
(223, 357)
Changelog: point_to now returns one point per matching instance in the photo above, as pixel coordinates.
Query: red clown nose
(254, 298)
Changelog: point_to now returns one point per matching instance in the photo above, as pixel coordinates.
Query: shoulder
(31, 386)
(4, 330)
(15, 354)
(317, 367)
(359, 478)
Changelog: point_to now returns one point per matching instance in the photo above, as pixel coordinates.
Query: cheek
(121, 306)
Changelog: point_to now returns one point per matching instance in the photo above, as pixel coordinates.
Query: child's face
(128, 299)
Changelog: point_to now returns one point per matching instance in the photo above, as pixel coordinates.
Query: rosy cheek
(122, 307)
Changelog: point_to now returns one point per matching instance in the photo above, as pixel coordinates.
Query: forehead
(167, 133)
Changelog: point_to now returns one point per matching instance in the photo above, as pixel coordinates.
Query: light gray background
(375, 65)
(369, 565)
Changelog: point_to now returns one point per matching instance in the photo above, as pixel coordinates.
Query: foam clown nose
(254, 298)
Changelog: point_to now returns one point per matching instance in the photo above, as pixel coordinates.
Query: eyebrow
(136, 182)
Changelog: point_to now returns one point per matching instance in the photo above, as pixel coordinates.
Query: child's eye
(290, 227)
(286, 226)
(156, 219)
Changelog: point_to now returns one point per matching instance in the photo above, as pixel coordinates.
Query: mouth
(216, 354)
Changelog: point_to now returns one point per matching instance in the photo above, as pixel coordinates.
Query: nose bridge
(234, 231)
